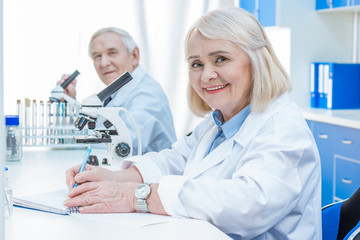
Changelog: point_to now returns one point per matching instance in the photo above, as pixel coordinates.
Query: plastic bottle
(13, 138)
(8, 195)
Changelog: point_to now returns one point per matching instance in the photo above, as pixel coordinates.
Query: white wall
(45, 39)
(315, 36)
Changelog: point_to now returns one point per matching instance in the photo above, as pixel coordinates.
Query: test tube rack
(48, 124)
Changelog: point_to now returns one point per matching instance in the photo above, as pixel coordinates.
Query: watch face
(142, 191)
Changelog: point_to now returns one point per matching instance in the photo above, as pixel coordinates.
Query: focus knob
(122, 149)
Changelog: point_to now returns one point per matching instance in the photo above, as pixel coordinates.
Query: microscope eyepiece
(70, 79)
(114, 86)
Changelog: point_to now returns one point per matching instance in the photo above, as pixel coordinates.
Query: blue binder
(338, 85)
(323, 82)
(314, 85)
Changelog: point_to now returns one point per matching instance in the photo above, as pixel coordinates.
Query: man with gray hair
(114, 52)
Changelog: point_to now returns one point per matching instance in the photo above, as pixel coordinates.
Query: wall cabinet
(333, 4)
(263, 10)
(314, 36)
(340, 160)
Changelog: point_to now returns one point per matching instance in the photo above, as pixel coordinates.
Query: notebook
(51, 202)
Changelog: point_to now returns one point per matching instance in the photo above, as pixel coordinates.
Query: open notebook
(51, 202)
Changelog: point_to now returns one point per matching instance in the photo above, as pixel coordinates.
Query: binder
(338, 85)
(323, 84)
(314, 85)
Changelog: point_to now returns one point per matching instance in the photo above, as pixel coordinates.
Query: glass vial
(13, 138)
(9, 204)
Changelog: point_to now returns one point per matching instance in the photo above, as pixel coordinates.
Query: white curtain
(44, 39)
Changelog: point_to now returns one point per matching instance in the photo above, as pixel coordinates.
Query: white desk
(44, 170)
(341, 117)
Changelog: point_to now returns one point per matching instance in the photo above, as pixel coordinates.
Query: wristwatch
(142, 192)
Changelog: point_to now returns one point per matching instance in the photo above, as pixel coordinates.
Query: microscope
(117, 139)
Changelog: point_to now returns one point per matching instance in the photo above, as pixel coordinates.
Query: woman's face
(220, 73)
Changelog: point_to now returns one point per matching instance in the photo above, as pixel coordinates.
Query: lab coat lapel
(255, 121)
(219, 154)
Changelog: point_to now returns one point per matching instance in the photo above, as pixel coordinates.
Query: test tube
(68, 120)
(53, 126)
(19, 111)
(61, 119)
(27, 121)
(41, 123)
(34, 122)
(20, 114)
(48, 122)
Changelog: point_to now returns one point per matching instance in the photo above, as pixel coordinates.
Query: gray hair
(269, 78)
(128, 41)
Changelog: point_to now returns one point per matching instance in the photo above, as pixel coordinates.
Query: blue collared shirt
(229, 128)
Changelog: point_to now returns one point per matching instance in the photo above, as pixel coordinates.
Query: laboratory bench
(337, 135)
(43, 170)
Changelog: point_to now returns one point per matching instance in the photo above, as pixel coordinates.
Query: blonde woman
(251, 167)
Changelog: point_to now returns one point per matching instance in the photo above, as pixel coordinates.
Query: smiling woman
(251, 167)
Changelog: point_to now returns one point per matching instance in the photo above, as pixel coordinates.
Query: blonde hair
(128, 41)
(269, 78)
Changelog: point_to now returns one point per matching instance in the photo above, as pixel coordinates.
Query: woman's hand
(103, 197)
(90, 174)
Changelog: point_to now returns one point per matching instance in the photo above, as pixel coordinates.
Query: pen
(83, 164)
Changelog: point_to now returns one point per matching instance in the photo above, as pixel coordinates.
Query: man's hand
(70, 90)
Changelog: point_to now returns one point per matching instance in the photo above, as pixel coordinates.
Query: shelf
(345, 9)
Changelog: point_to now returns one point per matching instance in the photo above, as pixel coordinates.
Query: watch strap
(141, 203)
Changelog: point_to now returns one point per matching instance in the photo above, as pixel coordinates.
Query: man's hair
(269, 78)
(128, 41)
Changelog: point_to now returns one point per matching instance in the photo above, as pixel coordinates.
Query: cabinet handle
(347, 181)
(323, 136)
(345, 141)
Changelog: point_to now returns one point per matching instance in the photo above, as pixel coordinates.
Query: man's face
(111, 58)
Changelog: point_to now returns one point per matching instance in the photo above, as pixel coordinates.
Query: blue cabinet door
(348, 142)
(267, 13)
(347, 179)
(263, 10)
(340, 160)
(324, 135)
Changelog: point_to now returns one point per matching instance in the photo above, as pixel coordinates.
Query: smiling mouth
(109, 72)
(216, 88)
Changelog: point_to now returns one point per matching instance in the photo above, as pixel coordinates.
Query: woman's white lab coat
(263, 183)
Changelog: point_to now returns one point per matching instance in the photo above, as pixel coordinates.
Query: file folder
(338, 85)
(314, 85)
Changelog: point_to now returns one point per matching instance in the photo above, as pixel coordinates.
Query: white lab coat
(263, 183)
